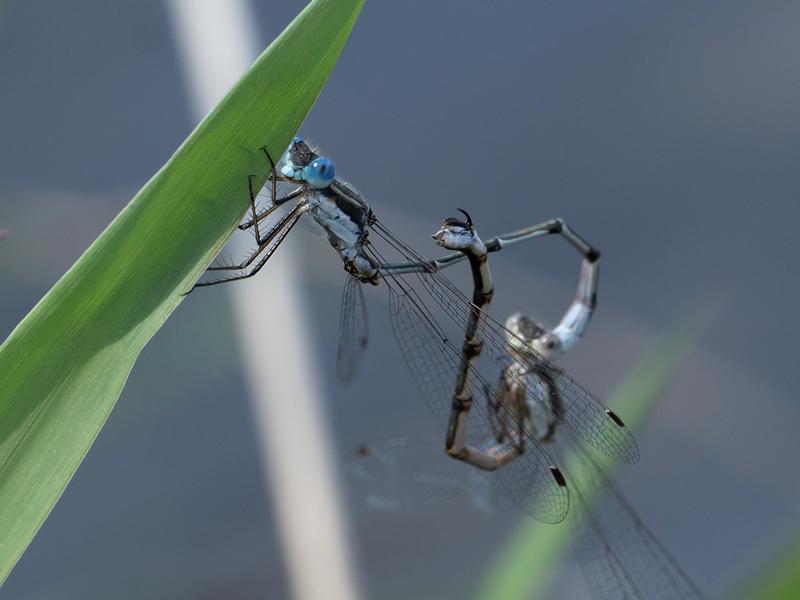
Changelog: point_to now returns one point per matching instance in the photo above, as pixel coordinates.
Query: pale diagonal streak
(216, 42)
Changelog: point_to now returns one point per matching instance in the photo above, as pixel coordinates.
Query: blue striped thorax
(334, 205)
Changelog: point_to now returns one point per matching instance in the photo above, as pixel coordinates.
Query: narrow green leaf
(524, 566)
(779, 579)
(63, 367)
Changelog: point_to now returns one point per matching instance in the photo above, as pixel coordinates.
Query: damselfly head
(300, 153)
(301, 163)
(296, 158)
(523, 333)
(524, 327)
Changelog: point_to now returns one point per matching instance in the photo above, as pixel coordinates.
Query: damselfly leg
(267, 244)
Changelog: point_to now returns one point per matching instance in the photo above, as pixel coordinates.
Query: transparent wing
(353, 330)
(606, 576)
(407, 472)
(621, 557)
(588, 418)
(403, 472)
(272, 239)
(527, 481)
(486, 494)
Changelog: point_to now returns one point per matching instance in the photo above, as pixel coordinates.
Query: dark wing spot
(558, 476)
(615, 418)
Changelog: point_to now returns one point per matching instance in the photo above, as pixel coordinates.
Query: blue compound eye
(320, 172)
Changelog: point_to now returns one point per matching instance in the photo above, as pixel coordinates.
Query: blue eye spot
(319, 173)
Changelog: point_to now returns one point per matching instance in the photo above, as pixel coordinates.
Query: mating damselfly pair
(500, 429)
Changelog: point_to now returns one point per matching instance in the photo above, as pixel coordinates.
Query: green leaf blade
(65, 364)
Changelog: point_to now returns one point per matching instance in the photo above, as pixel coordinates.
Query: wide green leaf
(64, 366)
(523, 568)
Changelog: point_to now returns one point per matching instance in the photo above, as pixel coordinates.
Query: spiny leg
(253, 209)
(296, 193)
(275, 201)
(253, 196)
(276, 229)
(270, 250)
(242, 265)
(280, 232)
(273, 175)
(256, 217)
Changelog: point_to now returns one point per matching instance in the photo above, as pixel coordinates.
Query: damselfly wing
(620, 556)
(353, 330)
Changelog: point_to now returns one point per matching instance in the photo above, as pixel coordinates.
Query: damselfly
(422, 302)
(621, 557)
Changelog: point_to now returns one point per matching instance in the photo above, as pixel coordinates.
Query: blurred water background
(666, 134)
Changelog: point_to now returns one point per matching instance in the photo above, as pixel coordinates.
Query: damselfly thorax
(346, 224)
(337, 208)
